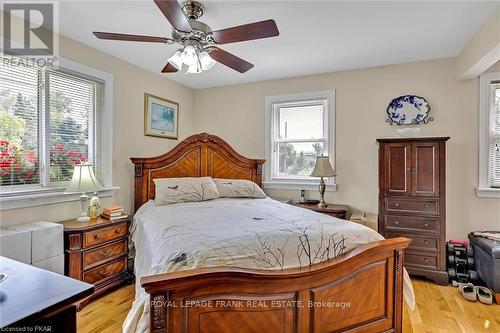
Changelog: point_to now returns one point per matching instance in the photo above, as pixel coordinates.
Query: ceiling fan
(199, 49)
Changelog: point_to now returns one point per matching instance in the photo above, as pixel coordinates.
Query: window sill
(297, 185)
(488, 192)
(45, 197)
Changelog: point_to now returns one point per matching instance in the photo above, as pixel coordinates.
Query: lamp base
(83, 219)
(321, 189)
(83, 202)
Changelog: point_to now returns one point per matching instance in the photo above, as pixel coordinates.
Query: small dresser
(338, 211)
(96, 252)
(412, 201)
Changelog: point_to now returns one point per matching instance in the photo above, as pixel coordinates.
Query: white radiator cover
(39, 244)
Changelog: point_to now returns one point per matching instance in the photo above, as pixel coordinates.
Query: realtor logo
(28, 29)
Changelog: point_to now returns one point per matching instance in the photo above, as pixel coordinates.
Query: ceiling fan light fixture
(176, 60)
(189, 56)
(194, 37)
(206, 61)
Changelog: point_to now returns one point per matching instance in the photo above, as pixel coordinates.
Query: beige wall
(130, 84)
(494, 68)
(237, 114)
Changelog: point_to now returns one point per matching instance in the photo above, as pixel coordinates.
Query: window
(489, 139)
(298, 132)
(51, 120)
(494, 146)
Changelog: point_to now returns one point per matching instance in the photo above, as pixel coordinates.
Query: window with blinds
(19, 126)
(50, 120)
(494, 122)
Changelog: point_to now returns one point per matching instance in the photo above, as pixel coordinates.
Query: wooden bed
(360, 291)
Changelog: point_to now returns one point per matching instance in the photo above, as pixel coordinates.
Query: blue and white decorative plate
(408, 110)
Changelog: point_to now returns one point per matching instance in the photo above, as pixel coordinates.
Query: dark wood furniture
(412, 201)
(338, 211)
(369, 278)
(36, 300)
(97, 252)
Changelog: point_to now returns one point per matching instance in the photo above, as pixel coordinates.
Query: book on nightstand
(113, 213)
(112, 209)
(114, 218)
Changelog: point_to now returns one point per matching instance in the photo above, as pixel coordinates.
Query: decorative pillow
(174, 190)
(238, 188)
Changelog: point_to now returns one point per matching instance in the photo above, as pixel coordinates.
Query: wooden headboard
(199, 155)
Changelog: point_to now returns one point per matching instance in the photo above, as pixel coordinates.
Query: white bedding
(252, 233)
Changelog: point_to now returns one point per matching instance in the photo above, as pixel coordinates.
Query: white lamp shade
(175, 60)
(206, 61)
(83, 180)
(323, 168)
(189, 56)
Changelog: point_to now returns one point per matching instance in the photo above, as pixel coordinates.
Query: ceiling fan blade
(169, 68)
(230, 60)
(132, 38)
(174, 14)
(256, 30)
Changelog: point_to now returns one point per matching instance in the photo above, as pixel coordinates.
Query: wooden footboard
(361, 291)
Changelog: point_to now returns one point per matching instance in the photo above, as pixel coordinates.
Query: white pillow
(238, 188)
(189, 189)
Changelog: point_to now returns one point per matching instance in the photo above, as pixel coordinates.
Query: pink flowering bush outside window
(20, 166)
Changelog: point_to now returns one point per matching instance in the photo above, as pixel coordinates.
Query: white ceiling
(315, 36)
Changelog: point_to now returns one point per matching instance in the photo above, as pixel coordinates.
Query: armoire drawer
(421, 260)
(419, 243)
(401, 223)
(429, 206)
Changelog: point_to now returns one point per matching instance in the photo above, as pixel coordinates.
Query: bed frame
(360, 291)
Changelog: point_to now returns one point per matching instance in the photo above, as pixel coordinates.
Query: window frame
(28, 195)
(484, 190)
(272, 129)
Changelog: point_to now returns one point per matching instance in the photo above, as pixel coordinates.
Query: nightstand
(338, 211)
(96, 252)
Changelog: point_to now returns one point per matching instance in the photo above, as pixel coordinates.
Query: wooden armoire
(412, 201)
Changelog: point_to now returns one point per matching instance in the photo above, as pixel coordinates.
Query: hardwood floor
(106, 314)
(439, 309)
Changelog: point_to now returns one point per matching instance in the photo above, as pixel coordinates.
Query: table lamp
(322, 168)
(83, 181)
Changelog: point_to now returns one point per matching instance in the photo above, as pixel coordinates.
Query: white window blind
(494, 122)
(19, 126)
(299, 137)
(51, 121)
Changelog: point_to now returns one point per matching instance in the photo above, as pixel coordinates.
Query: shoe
(484, 295)
(468, 291)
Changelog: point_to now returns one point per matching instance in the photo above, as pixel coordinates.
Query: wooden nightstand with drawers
(96, 252)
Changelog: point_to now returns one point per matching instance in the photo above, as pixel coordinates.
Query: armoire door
(425, 169)
(398, 169)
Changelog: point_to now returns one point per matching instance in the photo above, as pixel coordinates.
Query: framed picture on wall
(161, 117)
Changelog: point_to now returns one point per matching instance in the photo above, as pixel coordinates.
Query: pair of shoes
(473, 293)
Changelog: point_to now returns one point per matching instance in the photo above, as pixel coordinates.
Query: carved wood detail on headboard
(199, 155)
